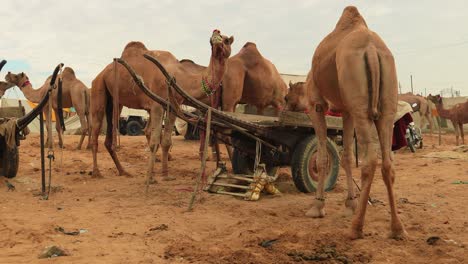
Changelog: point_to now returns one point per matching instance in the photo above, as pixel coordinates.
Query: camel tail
(373, 72)
(86, 102)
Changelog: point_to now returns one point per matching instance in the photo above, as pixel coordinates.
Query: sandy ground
(123, 225)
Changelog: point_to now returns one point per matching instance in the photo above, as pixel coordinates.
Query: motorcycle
(413, 135)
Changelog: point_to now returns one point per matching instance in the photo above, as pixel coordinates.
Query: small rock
(432, 240)
(162, 227)
(52, 252)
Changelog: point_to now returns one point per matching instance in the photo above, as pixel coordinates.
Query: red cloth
(333, 113)
(399, 132)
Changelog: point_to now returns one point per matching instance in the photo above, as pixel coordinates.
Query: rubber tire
(300, 165)
(134, 128)
(10, 161)
(192, 133)
(242, 164)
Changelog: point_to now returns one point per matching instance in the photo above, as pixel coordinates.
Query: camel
(74, 94)
(353, 72)
(5, 86)
(116, 78)
(458, 115)
(422, 106)
(250, 79)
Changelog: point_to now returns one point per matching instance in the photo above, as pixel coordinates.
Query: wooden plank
(11, 111)
(298, 119)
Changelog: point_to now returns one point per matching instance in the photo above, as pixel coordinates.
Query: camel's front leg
(153, 129)
(317, 115)
(347, 160)
(166, 146)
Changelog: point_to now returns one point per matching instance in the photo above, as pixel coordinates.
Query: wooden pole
(205, 155)
(411, 77)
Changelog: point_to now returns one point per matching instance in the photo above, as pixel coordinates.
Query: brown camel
(354, 72)
(5, 86)
(458, 115)
(116, 78)
(74, 94)
(422, 106)
(250, 79)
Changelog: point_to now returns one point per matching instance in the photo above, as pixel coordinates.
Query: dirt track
(125, 226)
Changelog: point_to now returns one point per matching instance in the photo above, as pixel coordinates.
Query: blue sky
(428, 38)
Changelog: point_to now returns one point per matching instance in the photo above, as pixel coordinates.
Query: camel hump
(68, 72)
(350, 18)
(135, 45)
(187, 61)
(248, 44)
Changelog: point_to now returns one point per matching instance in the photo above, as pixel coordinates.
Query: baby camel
(458, 114)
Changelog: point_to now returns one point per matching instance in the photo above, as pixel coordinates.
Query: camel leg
(89, 123)
(154, 128)
(347, 160)
(431, 122)
(97, 116)
(462, 133)
(317, 116)
(84, 129)
(384, 128)
(455, 128)
(108, 140)
(363, 127)
(166, 146)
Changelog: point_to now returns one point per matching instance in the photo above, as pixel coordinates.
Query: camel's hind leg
(347, 160)
(109, 134)
(58, 128)
(385, 131)
(84, 128)
(97, 115)
(462, 133)
(363, 127)
(455, 128)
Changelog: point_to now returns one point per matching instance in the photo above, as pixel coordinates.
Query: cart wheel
(304, 165)
(243, 164)
(10, 161)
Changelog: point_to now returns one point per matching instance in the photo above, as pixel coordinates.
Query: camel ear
(22, 74)
(290, 84)
(231, 40)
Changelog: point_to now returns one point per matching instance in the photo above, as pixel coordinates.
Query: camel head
(220, 45)
(20, 79)
(5, 86)
(436, 99)
(296, 99)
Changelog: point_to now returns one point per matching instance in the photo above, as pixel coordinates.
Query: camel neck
(33, 95)
(215, 71)
(444, 113)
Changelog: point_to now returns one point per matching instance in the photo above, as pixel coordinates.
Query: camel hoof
(356, 234)
(168, 178)
(399, 234)
(152, 181)
(126, 174)
(96, 174)
(315, 212)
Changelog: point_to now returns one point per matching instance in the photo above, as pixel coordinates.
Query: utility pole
(399, 86)
(411, 77)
